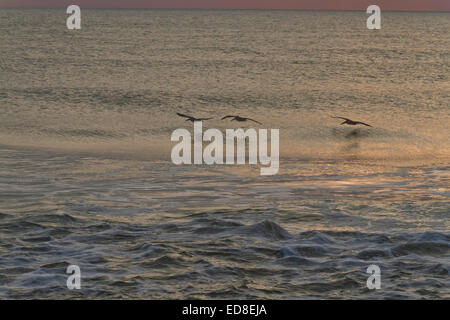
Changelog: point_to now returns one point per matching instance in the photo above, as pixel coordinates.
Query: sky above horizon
(403, 5)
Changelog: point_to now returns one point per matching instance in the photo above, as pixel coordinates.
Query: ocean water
(86, 176)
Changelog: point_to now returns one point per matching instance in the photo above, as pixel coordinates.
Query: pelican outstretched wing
(184, 116)
(228, 117)
(254, 121)
(368, 125)
(352, 122)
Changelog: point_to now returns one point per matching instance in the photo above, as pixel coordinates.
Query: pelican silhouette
(351, 122)
(240, 119)
(189, 118)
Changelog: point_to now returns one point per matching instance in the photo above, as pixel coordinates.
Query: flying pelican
(240, 119)
(351, 122)
(189, 118)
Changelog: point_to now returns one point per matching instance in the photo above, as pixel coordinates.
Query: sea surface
(86, 176)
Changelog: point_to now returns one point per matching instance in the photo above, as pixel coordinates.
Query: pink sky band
(387, 5)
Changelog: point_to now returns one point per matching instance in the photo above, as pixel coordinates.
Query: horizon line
(223, 9)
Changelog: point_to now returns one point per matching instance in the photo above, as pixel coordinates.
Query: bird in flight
(240, 119)
(189, 118)
(351, 122)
